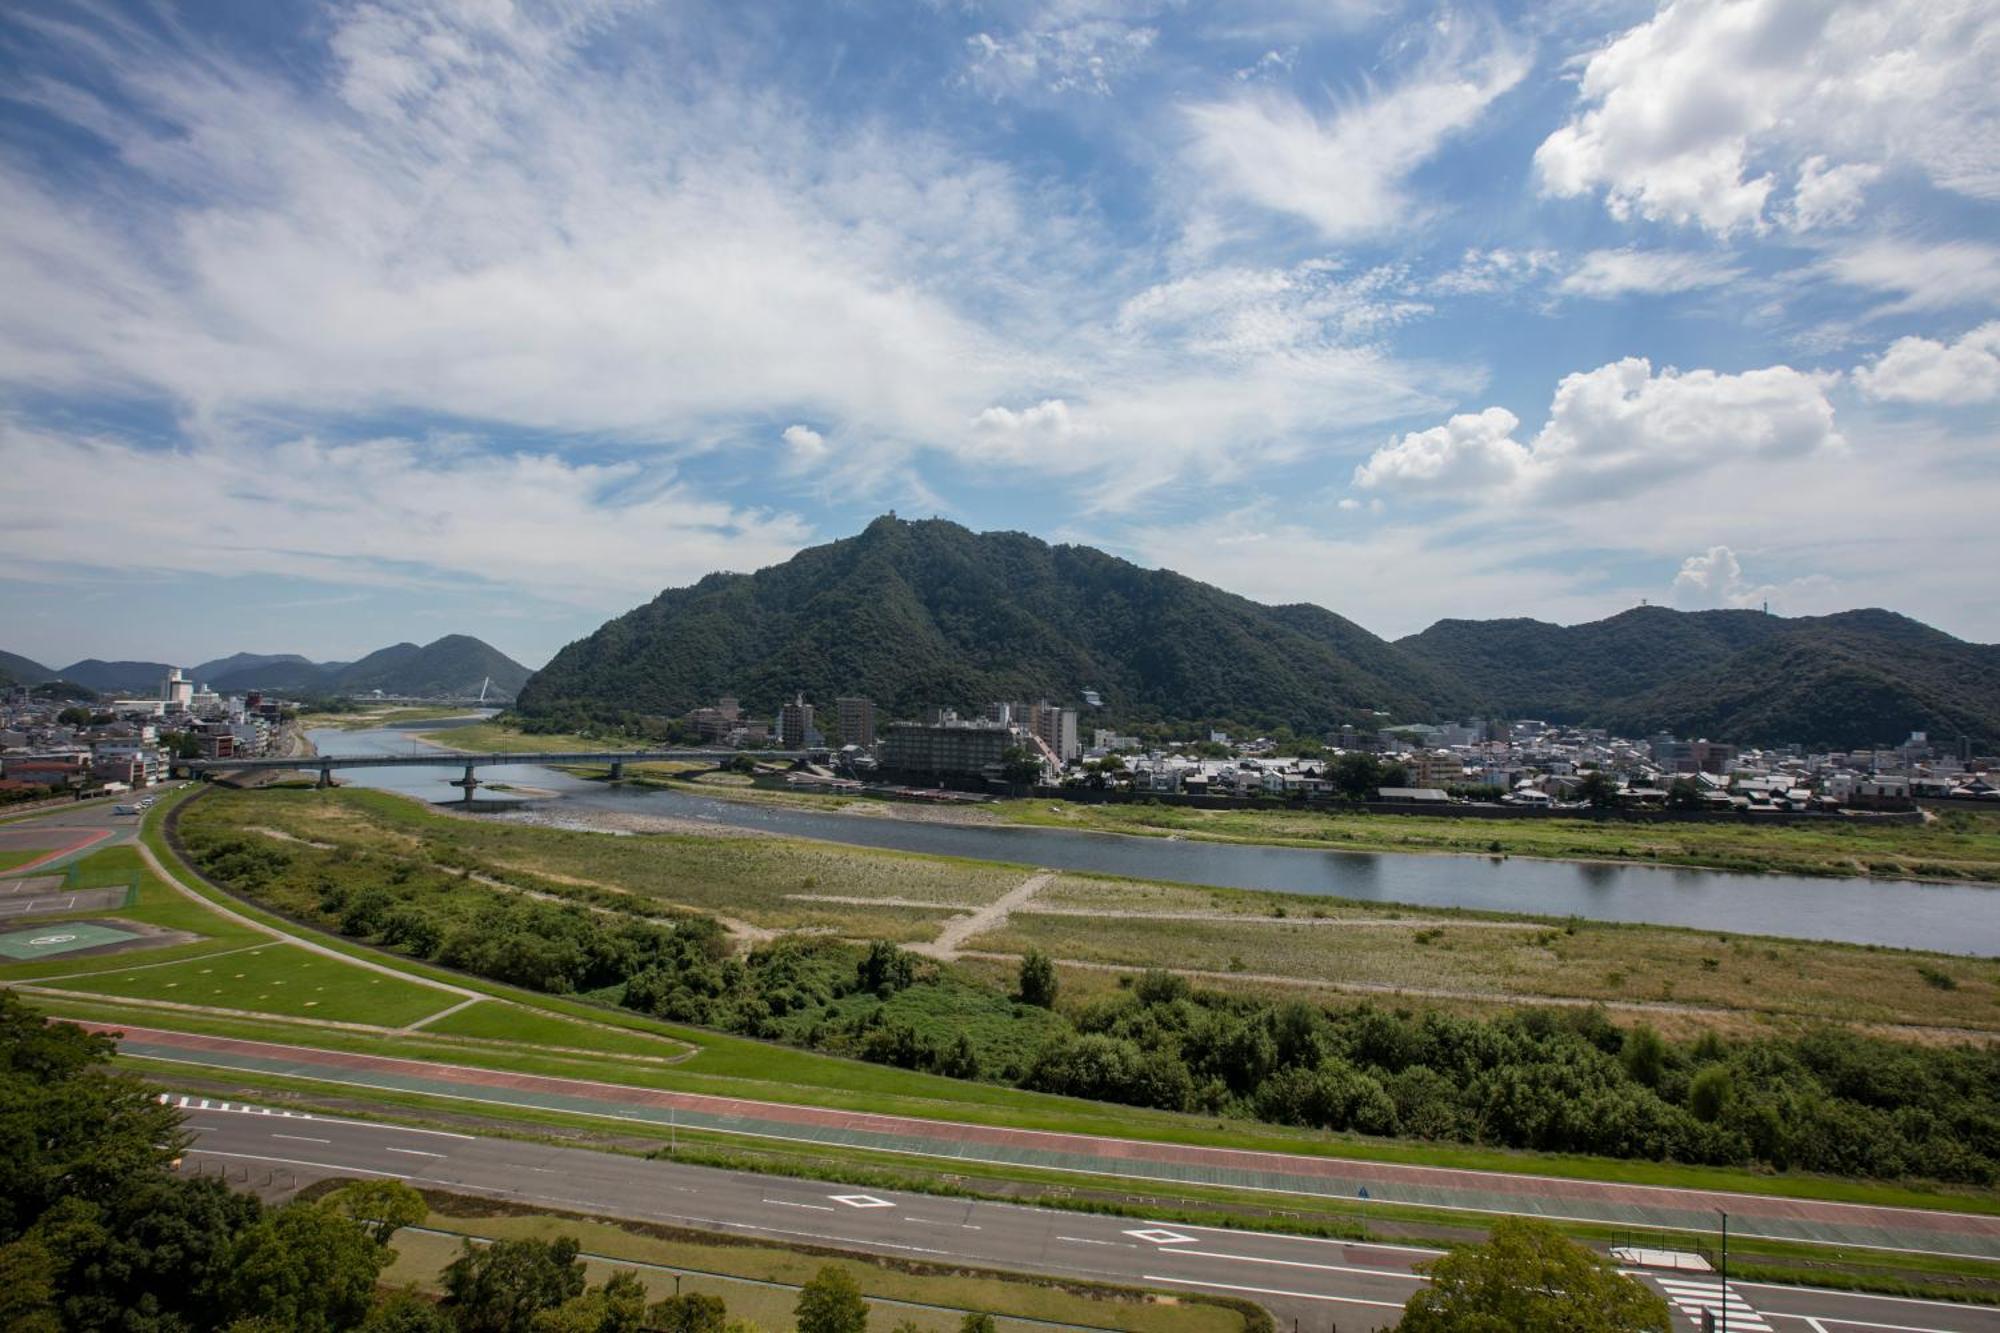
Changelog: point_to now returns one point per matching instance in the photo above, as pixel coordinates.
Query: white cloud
(1828, 195)
(807, 445)
(1060, 48)
(1698, 114)
(1715, 579)
(1489, 272)
(1346, 171)
(1613, 431)
(387, 512)
(1920, 370)
(1936, 276)
(1467, 453)
(1608, 274)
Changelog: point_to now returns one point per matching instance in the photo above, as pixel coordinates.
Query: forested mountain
(455, 664)
(1851, 679)
(289, 674)
(916, 613)
(136, 679)
(222, 668)
(18, 670)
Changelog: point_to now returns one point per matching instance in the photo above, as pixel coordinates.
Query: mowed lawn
(280, 979)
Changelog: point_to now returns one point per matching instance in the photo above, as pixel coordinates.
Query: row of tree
(1555, 1080)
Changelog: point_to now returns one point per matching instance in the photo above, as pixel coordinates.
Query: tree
(499, 1288)
(74, 716)
(693, 1312)
(306, 1268)
(28, 1289)
(1356, 776)
(69, 1127)
(976, 1322)
(1644, 1055)
(406, 1312)
(1038, 980)
(831, 1303)
(1711, 1092)
(619, 1306)
(1020, 766)
(1684, 794)
(885, 969)
(381, 1207)
(1599, 789)
(1529, 1278)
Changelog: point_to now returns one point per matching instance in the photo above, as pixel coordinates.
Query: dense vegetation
(930, 613)
(18, 670)
(1853, 679)
(99, 1231)
(1556, 1080)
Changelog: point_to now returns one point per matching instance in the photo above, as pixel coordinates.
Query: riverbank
(1342, 951)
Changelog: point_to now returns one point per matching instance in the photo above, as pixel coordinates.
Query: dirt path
(959, 929)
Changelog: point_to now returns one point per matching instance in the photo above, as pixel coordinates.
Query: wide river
(1947, 918)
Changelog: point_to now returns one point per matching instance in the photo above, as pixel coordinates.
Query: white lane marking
(1273, 1291)
(861, 1201)
(816, 1207)
(292, 1161)
(1301, 1263)
(1856, 1296)
(300, 1138)
(626, 1118)
(1314, 1240)
(1696, 1299)
(414, 1152)
(1161, 1236)
(1819, 1322)
(1085, 1240)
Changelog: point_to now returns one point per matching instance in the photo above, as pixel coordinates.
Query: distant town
(52, 747)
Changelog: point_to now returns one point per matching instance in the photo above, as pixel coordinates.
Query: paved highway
(1324, 1284)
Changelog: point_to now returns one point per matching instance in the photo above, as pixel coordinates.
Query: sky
(327, 325)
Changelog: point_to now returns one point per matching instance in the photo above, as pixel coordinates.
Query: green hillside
(1852, 679)
(18, 670)
(915, 613)
(453, 665)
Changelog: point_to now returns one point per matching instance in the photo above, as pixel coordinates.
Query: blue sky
(328, 325)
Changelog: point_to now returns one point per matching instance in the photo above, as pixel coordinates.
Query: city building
(176, 691)
(948, 749)
(795, 724)
(856, 719)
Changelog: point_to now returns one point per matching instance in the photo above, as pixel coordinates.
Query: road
(1324, 1284)
(1387, 1185)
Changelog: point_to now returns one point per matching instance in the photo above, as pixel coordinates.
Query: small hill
(456, 665)
(132, 679)
(18, 670)
(236, 663)
(916, 613)
(1853, 679)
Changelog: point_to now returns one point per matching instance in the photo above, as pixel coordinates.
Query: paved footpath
(1385, 1184)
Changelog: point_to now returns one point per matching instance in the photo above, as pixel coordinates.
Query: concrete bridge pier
(325, 776)
(469, 782)
(618, 770)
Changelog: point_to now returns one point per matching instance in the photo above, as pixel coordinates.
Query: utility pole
(1725, 1269)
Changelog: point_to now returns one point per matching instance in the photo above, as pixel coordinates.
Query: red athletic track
(1548, 1192)
(78, 843)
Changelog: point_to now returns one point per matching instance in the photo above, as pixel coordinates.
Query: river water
(1900, 914)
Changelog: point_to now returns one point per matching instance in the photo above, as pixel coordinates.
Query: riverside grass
(772, 883)
(743, 1067)
(1958, 845)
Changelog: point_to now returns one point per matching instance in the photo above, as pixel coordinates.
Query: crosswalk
(1694, 1296)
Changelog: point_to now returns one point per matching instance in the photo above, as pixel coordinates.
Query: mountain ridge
(929, 612)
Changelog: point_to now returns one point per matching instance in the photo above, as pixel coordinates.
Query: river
(1900, 914)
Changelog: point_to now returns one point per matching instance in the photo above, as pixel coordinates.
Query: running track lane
(88, 838)
(1390, 1184)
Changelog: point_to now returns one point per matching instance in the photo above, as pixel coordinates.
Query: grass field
(771, 883)
(1958, 846)
(494, 1020)
(11, 858)
(737, 1272)
(272, 979)
(493, 737)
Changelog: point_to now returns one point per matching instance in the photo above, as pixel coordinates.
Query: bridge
(617, 759)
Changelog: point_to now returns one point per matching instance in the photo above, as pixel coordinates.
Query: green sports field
(273, 979)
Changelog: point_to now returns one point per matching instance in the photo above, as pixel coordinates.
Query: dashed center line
(414, 1152)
